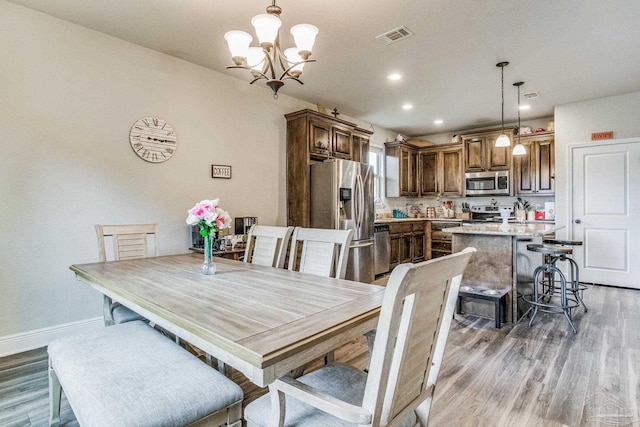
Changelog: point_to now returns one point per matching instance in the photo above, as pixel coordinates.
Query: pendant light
(503, 140)
(519, 149)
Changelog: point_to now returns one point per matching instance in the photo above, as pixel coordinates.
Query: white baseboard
(17, 343)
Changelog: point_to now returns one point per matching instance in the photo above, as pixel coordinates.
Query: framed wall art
(221, 171)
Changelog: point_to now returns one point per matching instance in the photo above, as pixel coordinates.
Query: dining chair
(128, 241)
(267, 245)
(320, 251)
(416, 314)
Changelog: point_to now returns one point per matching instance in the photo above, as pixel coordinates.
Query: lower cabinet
(407, 241)
(439, 242)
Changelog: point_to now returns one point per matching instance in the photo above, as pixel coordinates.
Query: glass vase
(208, 266)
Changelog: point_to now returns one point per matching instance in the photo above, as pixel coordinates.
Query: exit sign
(597, 136)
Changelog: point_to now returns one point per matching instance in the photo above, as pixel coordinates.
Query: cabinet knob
(577, 221)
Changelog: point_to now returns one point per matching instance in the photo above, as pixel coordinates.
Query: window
(375, 160)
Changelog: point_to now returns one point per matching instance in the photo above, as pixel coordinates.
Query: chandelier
(268, 61)
(503, 140)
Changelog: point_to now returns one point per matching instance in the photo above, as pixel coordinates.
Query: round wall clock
(153, 139)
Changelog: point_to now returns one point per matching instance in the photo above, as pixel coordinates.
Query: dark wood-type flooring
(514, 376)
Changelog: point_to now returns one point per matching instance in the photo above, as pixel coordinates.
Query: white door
(605, 212)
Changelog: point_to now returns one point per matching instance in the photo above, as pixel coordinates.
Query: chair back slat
(412, 330)
(320, 252)
(267, 245)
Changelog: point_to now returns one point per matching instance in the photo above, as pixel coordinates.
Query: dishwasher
(380, 249)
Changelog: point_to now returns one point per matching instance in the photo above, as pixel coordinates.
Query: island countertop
(512, 229)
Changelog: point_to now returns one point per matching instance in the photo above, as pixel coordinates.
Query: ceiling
(565, 50)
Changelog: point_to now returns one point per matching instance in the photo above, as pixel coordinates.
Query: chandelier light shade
(269, 61)
(518, 149)
(503, 140)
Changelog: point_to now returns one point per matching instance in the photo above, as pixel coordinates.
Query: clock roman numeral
(155, 121)
(145, 122)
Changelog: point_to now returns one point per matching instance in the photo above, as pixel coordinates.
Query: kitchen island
(502, 262)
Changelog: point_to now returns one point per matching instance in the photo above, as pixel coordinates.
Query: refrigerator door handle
(359, 201)
(361, 244)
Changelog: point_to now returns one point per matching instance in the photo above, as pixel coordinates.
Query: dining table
(262, 321)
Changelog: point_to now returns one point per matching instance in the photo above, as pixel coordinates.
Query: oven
(487, 183)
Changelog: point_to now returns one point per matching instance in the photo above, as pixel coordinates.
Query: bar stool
(545, 278)
(574, 285)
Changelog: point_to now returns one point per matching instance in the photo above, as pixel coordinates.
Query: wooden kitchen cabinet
(407, 241)
(439, 242)
(360, 145)
(441, 171)
(401, 166)
(314, 137)
(327, 140)
(535, 171)
(423, 172)
(480, 153)
(418, 242)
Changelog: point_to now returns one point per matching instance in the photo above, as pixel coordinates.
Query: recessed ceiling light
(438, 122)
(524, 107)
(394, 76)
(407, 107)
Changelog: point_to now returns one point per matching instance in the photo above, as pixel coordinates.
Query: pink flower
(209, 216)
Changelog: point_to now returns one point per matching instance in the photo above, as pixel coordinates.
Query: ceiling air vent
(530, 95)
(395, 35)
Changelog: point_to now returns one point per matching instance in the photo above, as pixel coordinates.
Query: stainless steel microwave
(487, 183)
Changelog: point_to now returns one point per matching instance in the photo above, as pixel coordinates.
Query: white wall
(574, 124)
(68, 98)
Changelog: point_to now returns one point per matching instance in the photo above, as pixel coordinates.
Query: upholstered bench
(132, 375)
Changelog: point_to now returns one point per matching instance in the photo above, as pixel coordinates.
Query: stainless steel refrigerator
(342, 198)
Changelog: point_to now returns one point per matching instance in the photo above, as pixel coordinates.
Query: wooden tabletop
(260, 320)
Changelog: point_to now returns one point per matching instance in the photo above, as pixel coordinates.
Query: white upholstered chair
(267, 245)
(320, 251)
(128, 241)
(416, 315)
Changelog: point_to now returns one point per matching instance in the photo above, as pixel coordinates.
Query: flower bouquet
(211, 219)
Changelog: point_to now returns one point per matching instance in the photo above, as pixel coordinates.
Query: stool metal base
(547, 277)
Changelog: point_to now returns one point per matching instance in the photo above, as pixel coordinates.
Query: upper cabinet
(423, 172)
(535, 171)
(312, 137)
(441, 171)
(360, 146)
(329, 139)
(481, 154)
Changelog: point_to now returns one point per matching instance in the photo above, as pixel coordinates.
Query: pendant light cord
(519, 114)
(502, 85)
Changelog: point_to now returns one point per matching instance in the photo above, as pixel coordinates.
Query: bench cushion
(132, 375)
